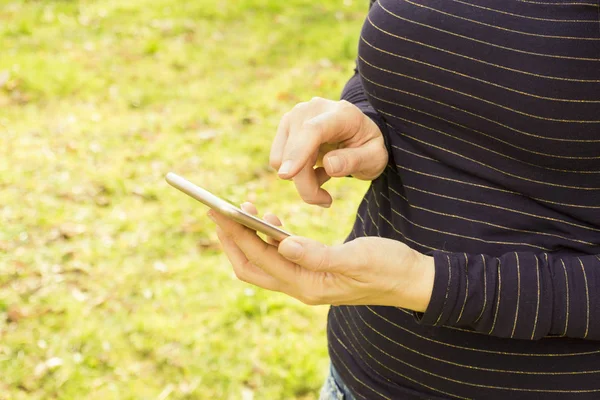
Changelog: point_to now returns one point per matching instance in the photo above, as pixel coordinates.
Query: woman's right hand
(335, 136)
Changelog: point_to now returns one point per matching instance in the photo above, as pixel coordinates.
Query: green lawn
(112, 285)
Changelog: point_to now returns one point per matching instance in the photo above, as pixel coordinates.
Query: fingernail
(335, 164)
(325, 205)
(291, 250)
(285, 168)
(211, 216)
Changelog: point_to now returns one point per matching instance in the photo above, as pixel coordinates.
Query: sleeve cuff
(444, 295)
(380, 122)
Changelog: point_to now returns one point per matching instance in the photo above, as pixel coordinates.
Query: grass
(112, 285)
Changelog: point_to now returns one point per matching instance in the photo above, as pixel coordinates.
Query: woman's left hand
(364, 271)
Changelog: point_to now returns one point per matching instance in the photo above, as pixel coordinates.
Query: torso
(494, 120)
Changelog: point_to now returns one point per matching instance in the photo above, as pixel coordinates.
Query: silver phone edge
(238, 215)
(258, 225)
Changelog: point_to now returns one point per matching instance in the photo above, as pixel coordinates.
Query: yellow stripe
(478, 79)
(516, 389)
(373, 191)
(406, 237)
(558, 78)
(467, 288)
(371, 217)
(499, 170)
(504, 353)
(394, 228)
(500, 27)
(500, 208)
(456, 364)
(458, 234)
(518, 295)
(484, 289)
(525, 16)
(394, 371)
(499, 291)
(337, 310)
(537, 306)
(501, 190)
(481, 117)
(447, 291)
(556, 4)
(352, 374)
(491, 224)
(362, 221)
(435, 161)
(470, 142)
(365, 351)
(567, 289)
(474, 130)
(488, 43)
(587, 300)
(571, 121)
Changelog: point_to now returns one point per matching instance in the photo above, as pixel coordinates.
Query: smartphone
(224, 207)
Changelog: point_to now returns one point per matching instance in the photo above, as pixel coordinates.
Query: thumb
(364, 162)
(316, 256)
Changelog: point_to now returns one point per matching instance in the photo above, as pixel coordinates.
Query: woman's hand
(365, 271)
(333, 135)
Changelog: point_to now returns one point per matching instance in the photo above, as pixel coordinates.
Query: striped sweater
(491, 114)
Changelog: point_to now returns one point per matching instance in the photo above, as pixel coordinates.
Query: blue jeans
(334, 388)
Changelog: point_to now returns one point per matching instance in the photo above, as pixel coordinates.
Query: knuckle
(310, 125)
(343, 104)
(313, 128)
(362, 248)
(363, 242)
(320, 103)
(300, 106)
(347, 106)
(352, 115)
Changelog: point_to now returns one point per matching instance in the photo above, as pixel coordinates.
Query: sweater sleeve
(519, 295)
(354, 93)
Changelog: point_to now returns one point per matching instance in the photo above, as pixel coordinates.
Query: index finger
(328, 127)
(279, 142)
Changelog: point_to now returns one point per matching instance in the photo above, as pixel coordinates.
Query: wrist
(420, 283)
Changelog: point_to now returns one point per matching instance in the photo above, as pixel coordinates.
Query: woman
(472, 270)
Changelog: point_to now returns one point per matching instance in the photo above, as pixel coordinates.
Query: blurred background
(112, 284)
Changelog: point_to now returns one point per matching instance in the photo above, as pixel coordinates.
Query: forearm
(518, 295)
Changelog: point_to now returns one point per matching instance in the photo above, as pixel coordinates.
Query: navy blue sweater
(491, 114)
